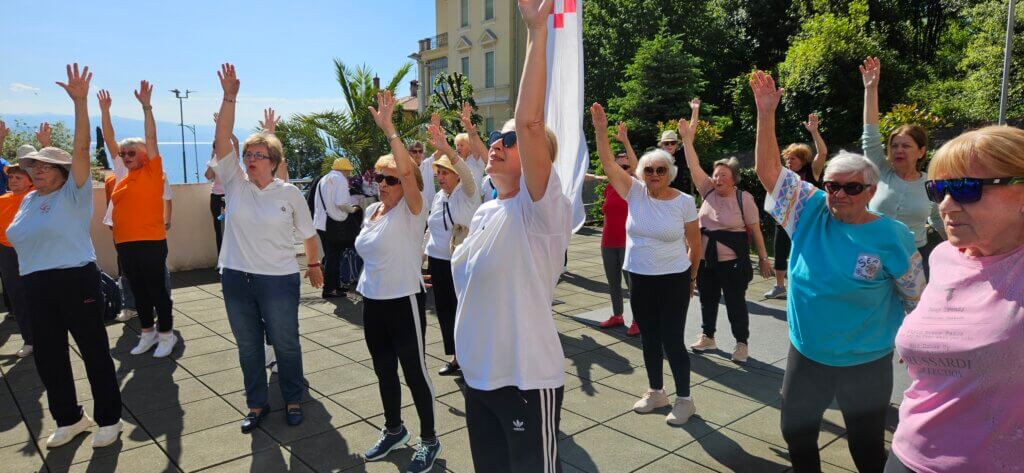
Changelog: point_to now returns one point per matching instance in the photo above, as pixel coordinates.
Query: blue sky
(283, 51)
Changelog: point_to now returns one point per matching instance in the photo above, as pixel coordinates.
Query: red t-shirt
(613, 235)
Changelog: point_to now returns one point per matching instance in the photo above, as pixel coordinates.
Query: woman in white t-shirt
(394, 321)
(450, 214)
(259, 274)
(505, 274)
(663, 250)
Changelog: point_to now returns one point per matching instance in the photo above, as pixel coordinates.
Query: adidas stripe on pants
(514, 431)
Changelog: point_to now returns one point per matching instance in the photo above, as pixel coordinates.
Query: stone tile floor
(182, 413)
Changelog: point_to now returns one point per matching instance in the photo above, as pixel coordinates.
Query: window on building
(465, 13)
(489, 125)
(434, 68)
(488, 9)
(489, 69)
(465, 66)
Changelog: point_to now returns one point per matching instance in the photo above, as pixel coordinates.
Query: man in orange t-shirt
(20, 185)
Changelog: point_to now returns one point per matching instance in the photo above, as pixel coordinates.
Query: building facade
(486, 41)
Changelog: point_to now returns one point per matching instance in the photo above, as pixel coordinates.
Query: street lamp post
(1011, 20)
(181, 110)
(195, 149)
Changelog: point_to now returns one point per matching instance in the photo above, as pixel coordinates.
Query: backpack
(311, 194)
(351, 266)
(111, 297)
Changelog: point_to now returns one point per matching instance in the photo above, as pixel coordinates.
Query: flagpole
(1011, 20)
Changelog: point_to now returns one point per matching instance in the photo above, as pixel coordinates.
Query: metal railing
(435, 42)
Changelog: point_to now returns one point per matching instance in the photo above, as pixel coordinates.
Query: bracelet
(147, 107)
(229, 100)
(393, 137)
(312, 265)
(764, 258)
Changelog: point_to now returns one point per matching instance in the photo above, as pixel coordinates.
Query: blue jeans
(259, 306)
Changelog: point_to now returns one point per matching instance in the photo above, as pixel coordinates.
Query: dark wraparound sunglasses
(508, 140)
(851, 188)
(391, 180)
(130, 154)
(660, 170)
(965, 190)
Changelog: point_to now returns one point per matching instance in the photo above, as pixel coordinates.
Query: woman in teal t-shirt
(853, 275)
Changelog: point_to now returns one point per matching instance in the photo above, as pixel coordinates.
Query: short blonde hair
(272, 143)
(510, 125)
(799, 151)
(999, 148)
(132, 143)
(388, 161)
(462, 137)
(653, 156)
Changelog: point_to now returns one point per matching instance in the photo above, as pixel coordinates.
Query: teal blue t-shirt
(52, 231)
(850, 285)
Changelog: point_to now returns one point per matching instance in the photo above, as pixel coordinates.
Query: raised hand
(687, 130)
(621, 132)
(766, 95)
(43, 135)
(104, 98)
(269, 122)
(600, 118)
(812, 123)
(382, 115)
(144, 93)
(3, 132)
(871, 72)
(436, 133)
(77, 85)
(466, 116)
(695, 104)
(228, 80)
(535, 12)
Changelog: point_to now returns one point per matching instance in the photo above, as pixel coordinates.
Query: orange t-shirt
(9, 204)
(138, 204)
(108, 185)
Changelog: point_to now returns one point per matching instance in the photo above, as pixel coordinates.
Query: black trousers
(612, 260)
(216, 206)
(659, 309)
(395, 331)
(145, 265)
(331, 261)
(14, 288)
(715, 280)
(863, 393)
(782, 247)
(445, 300)
(514, 431)
(77, 309)
(894, 465)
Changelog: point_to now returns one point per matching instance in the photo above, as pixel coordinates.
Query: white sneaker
(126, 315)
(704, 343)
(106, 435)
(651, 400)
(681, 411)
(146, 341)
(25, 350)
(165, 343)
(269, 355)
(67, 433)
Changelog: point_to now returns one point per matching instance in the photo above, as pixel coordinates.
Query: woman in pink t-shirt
(963, 344)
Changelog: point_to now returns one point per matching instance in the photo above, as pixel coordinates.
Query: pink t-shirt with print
(723, 213)
(963, 346)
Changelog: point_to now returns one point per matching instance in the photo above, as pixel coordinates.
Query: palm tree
(353, 130)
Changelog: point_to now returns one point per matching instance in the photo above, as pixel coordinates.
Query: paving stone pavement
(182, 413)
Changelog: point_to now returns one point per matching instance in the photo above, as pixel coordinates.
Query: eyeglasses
(126, 154)
(257, 155)
(416, 151)
(390, 180)
(625, 167)
(964, 190)
(851, 188)
(669, 143)
(660, 170)
(508, 140)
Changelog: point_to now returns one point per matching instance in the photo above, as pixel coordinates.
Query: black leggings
(78, 309)
(659, 305)
(714, 280)
(333, 250)
(863, 393)
(145, 265)
(782, 247)
(894, 465)
(216, 206)
(613, 258)
(14, 288)
(445, 300)
(514, 431)
(395, 331)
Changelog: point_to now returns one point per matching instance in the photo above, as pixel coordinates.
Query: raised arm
(382, 115)
(269, 125)
(440, 143)
(109, 139)
(477, 147)
(619, 179)
(870, 72)
(688, 134)
(226, 117)
(818, 165)
(77, 88)
(145, 95)
(622, 134)
(767, 161)
(42, 135)
(534, 153)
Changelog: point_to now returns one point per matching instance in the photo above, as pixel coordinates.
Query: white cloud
(19, 87)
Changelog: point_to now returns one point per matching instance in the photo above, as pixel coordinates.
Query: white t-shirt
(429, 187)
(655, 232)
(445, 212)
(260, 224)
(390, 248)
(487, 188)
(478, 167)
(505, 274)
(120, 171)
(332, 189)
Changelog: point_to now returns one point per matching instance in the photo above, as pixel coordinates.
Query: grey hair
(733, 165)
(653, 156)
(846, 162)
(415, 143)
(132, 143)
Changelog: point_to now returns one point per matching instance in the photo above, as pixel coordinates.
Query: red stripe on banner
(570, 6)
(559, 20)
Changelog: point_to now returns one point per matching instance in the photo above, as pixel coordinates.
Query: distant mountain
(124, 127)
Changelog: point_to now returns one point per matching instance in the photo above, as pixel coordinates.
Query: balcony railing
(439, 41)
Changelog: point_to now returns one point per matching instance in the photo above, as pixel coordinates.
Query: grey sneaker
(776, 292)
(681, 411)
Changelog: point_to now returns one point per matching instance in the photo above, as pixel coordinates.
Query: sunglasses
(660, 170)
(625, 167)
(851, 188)
(508, 140)
(257, 155)
(391, 180)
(126, 154)
(669, 143)
(416, 151)
(965, 190)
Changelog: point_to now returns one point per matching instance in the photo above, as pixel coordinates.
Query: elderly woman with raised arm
(50, 233)
(259, 273)
(858, 275)
(472, 149)
(964, 342)
(729, 220)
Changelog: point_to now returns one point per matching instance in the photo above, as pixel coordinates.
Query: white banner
(564, 110)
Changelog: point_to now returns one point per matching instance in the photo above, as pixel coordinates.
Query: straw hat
(46, 155)
(342, 164)
(669, 135)
(445, 163)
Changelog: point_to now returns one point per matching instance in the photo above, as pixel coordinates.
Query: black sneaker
(423, 459)
(450, 369)
(386, 443)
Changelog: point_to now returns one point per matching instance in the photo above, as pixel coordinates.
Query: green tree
(451, 91)
(22, 133)
(305, 148)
